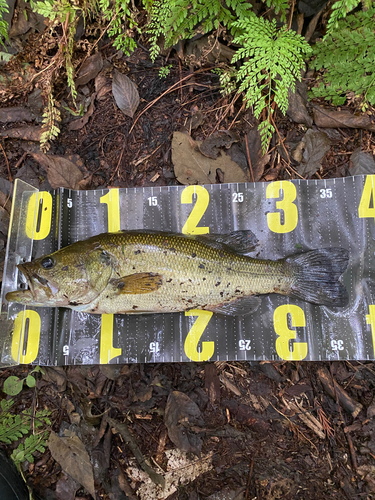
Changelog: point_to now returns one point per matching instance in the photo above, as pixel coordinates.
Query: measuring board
(286, 217)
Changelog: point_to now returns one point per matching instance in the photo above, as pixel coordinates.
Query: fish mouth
(38, 286)
(27, 273)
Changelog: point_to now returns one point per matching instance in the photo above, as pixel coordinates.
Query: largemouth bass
(153, 272)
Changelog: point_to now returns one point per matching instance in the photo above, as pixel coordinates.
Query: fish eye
(48, 263)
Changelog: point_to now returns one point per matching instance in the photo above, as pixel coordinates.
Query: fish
(132, 272)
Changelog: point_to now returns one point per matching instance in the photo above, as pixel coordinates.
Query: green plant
(51, 119)
(3, 24)
(13, 385)
(347, 57)
(272, 62)
(122, 23)
(182, 19)
(164, 71)
(16, 427)
(341, 8)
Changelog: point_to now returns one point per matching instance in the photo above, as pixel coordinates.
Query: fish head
(72, 276)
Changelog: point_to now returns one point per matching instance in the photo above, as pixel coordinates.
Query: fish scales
(195, 275)
(138, 272)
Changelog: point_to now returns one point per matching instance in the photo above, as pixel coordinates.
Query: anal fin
(241, 306)
(138, 283)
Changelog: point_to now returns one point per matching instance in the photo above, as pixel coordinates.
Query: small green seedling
(13, 385)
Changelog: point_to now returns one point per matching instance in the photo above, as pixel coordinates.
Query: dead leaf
(61, 171)
(297, 101)
(191, 167)
(71, 454)
(257, 158)
(66, 488)
(16, 114)
(361, 163)
(210, 147)
(327, 118)
(4, 221)
(90, 69)
(102, 86)
(316, 146)
(125, 93)
(5, 202)
(81, 122)
(31, 133)
(181, 414)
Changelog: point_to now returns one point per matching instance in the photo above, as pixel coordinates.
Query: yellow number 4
(366, 206)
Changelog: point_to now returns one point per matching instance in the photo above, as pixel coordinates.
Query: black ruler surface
(286, 217)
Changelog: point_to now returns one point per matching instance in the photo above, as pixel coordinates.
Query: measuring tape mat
(286, 216)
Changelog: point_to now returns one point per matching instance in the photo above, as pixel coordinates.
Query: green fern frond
(51, 117)
(3, 24)
(340, 9)
(347, 57)
(273, 59)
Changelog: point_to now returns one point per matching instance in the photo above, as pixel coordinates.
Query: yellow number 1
(112, 200)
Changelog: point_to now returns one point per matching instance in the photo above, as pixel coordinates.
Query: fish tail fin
(317, 276)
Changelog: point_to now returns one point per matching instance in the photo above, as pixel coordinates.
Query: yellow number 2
(365, 209)
(195, 334)
(286, 205)
(201, 204)
(284, 348)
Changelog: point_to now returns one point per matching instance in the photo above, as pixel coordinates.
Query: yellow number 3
(289, 209)
(284, 348)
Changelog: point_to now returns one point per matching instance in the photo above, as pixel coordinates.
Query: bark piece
(332, 388)
(327, 118)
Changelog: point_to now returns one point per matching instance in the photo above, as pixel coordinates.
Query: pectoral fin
(138, 283)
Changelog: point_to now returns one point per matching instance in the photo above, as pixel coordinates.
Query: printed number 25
(285, 220)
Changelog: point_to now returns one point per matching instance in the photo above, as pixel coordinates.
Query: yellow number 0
(286, 204)
(280, 322)
(33, 336)
(33, 208)
(198, 211)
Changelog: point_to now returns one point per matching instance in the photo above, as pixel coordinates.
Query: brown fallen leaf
(327, 118)
(71, 454)
(125, 93)
(81, 122)
(182, 417)
(191, 167)
(103, 86)
(31, 133)
(16, 114)
(210, 147)
(253, 146)
(61, 171)
(90, 69)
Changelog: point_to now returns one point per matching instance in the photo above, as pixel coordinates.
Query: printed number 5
(288, 210)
